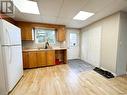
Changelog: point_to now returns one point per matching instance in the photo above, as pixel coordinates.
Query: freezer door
(13, 61)
(11, 35)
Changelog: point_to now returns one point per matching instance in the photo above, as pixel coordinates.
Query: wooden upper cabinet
(61, 34)
(32, 59)
(41, 58)
(25, 60)
(50, 57)
(28, 34)
(26, 31)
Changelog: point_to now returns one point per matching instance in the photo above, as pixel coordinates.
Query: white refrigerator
(11, 67)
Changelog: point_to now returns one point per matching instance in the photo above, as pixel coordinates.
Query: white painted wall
(91, 46)
(113, 43)
(73, 52)
(110, 29)
(122, 45)
(109, 39)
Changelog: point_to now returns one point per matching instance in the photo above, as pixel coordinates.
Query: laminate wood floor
(62, 80)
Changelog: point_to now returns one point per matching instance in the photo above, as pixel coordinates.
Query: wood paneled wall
(45, 25)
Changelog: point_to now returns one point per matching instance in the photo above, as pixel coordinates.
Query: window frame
(43, 28)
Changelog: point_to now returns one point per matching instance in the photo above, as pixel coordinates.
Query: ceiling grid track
(60, 10)
(105, 7)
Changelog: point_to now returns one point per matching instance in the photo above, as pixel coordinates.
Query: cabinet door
(61, 34)
(26, 31)
(32, 59)
(25, 60)
(41, 58)
(50, 57)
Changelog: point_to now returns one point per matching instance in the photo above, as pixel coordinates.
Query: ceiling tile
(71, 7)
(48, 19)
(96, 5)
(26, 17)
(59, 12)
(50, 7)
(61, 20)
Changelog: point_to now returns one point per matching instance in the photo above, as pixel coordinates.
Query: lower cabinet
(25, 60)
(50, 57)
(41, 58)
(33, 59)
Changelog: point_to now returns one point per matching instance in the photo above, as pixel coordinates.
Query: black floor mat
(103, 72)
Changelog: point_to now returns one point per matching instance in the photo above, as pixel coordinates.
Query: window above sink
(43, 34)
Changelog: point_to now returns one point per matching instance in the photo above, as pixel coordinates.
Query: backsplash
(32, 44)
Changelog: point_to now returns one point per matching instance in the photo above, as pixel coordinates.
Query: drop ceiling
(63, 11)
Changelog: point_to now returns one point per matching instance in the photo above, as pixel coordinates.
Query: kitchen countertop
(35, 49)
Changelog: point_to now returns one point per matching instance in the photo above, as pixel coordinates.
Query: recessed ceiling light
(27, 6)
(82, 15)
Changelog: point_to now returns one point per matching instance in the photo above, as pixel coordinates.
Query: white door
(73, 44)
(11, 34)
(94, 46)
(91, 46)
(84, 46)
(13, 63)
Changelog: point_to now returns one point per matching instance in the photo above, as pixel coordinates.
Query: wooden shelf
(61, 55)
